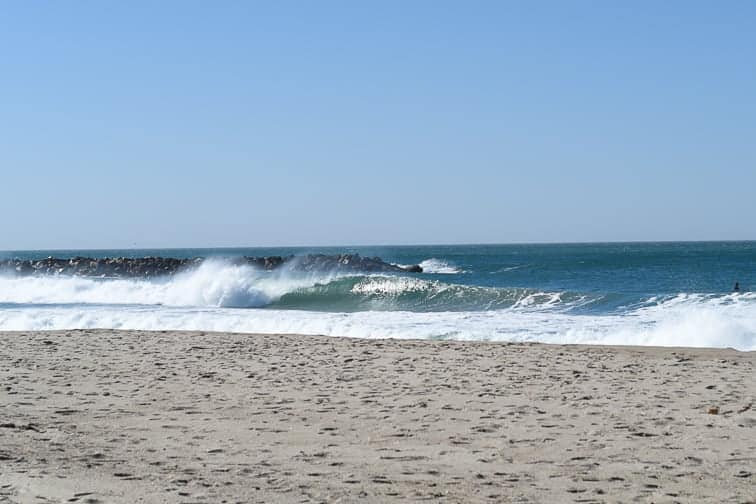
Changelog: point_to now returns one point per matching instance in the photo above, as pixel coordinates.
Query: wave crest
(372, 306)
(711, 324)
(439, 267)
(212, 284)
(222, 285)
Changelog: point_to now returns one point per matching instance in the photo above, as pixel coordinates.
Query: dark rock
(146, 267)
(415, 268)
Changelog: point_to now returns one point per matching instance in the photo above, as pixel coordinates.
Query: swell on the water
(217, 296)
(218, 284)
(214, 283)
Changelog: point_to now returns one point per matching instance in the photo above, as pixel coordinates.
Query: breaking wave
(218, 296)
(439, 267)
(212, 284)
(220, 285)
(707, 324)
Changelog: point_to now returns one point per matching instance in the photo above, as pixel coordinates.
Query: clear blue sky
(158, 124)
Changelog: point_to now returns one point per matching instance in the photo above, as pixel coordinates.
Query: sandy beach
(117, 416)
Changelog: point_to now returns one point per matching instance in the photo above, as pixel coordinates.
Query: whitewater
(597, 294)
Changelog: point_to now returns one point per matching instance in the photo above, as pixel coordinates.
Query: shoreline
(207, 333)
(174, 416)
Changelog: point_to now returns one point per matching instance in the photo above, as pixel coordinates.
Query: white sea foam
(213, 284)
(692, 327)
(204, 299)
(697, 325)
(439, 267)
(395, 286)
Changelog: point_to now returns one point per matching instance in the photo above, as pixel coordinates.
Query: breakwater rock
(146, 267)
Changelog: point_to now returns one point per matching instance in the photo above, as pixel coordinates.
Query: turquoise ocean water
(619, 293)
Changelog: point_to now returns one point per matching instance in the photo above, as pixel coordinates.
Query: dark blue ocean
(677, 294)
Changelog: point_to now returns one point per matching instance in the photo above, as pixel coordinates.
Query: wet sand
(110, 416)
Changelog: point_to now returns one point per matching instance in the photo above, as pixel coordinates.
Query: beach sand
(116, 416)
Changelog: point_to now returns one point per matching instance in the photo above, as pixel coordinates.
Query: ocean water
(668, 294)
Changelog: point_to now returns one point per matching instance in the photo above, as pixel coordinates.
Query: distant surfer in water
(736, 288)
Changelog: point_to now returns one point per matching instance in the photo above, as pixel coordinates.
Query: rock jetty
(146, 267)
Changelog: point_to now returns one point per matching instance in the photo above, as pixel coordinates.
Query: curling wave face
(218, 284)
(452, 299)
(214, 283)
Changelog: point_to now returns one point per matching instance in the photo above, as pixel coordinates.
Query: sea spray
(439, 267)
(692, 325)
(647, 294)
(218, 283)
(215, 283)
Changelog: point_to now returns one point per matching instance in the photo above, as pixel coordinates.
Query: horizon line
(479, 244)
